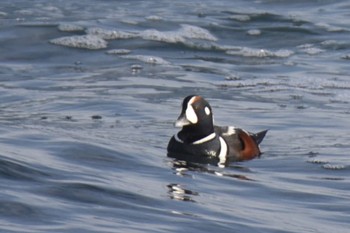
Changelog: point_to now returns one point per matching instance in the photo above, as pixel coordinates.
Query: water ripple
(83, 132)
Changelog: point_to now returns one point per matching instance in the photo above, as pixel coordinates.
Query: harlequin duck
(201, 141)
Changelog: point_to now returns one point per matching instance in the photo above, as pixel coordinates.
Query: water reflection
(178, 192)
(182, 168)
(185, 169)
(196, 159)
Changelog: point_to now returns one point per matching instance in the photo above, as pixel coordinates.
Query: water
(90, 89)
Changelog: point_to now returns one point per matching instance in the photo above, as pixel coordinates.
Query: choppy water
(90, 89)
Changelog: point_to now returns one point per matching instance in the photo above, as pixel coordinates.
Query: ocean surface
(89, 91)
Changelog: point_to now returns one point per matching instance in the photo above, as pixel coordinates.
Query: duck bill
(182, 121)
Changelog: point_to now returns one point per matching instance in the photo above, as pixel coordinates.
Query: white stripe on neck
(177, 138)
(223, 152)
(205, 139)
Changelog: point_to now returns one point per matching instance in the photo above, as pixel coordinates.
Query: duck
(200, 141)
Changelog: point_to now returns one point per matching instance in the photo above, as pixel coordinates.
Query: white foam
(85, 41)
(313, 51)
(310, 49)
(283, 53)
(118, 51)
(334, 166)
(179, 36)
(254, 32)
(110, 34)
(330, 43)
(154, 18)
(329, 28)
(148, 59)
(169, 37)
(70, 27)
(251, 52)
(194, 32)
(3, 14)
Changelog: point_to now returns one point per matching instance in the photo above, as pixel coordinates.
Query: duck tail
(259, 136)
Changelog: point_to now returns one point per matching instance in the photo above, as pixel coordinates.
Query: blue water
(90, 90)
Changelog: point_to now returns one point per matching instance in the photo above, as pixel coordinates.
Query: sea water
(89, 91)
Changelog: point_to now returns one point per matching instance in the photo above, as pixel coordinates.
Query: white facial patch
(207, 111)
(191, 114)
